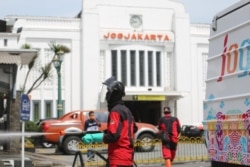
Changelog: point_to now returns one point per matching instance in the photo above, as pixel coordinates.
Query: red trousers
(169, 150)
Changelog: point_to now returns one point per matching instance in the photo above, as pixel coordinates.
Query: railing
(189, 149)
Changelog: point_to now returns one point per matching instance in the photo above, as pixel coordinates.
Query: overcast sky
(200, 11)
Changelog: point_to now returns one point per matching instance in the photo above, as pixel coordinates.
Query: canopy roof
(17, 56)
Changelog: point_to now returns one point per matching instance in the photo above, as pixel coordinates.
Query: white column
(137, 62)
(128, 68)
(146, 68)
(119, 77)
(154, 67)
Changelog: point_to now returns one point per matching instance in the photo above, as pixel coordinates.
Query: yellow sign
(149, 97)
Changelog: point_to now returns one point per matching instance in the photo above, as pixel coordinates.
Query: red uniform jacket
(174, 129)
(119, 136)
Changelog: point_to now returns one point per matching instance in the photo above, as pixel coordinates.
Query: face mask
(108, 96)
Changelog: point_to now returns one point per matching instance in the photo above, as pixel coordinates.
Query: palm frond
(57, 48)
(46, 71)
(33, 61)
(26, 46)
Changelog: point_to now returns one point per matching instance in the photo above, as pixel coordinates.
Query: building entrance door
(145, 111)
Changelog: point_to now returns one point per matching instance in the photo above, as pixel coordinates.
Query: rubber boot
(168, 163)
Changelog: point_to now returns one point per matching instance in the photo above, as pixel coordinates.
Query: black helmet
(113, 85)
(116, 90)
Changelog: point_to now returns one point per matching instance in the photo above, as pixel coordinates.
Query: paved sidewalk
(48, 161)
(36, 159)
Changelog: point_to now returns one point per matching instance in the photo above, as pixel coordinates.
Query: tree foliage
(45, 74)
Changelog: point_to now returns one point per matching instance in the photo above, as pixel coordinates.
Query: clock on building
(135, 21)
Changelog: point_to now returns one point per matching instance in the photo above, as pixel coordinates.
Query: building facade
(148, 45)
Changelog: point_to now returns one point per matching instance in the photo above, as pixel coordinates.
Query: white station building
(149, 45)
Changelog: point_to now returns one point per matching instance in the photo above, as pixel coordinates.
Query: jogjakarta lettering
(137, 36)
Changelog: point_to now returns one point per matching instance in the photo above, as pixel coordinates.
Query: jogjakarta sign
(138, 36)
(149, 98)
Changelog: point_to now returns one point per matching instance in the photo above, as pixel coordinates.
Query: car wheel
(47, 145)
(145, 143)
(70, 145)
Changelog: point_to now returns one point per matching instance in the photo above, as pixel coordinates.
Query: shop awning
(17, 56)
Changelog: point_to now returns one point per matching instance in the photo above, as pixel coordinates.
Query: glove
(90, 138)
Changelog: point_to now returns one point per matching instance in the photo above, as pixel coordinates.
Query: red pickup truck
(67, 131)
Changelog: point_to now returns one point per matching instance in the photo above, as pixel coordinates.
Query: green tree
(58, 49)
(46, 69)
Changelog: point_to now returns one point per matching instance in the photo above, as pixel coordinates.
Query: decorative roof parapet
(200, 29)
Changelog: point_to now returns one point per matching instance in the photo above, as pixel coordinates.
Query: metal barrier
(78, 160)
(189, 149)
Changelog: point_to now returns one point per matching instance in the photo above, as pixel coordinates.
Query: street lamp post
(58, 59)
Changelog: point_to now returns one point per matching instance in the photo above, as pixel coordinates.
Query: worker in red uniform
(171, 126)
(120, 127)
